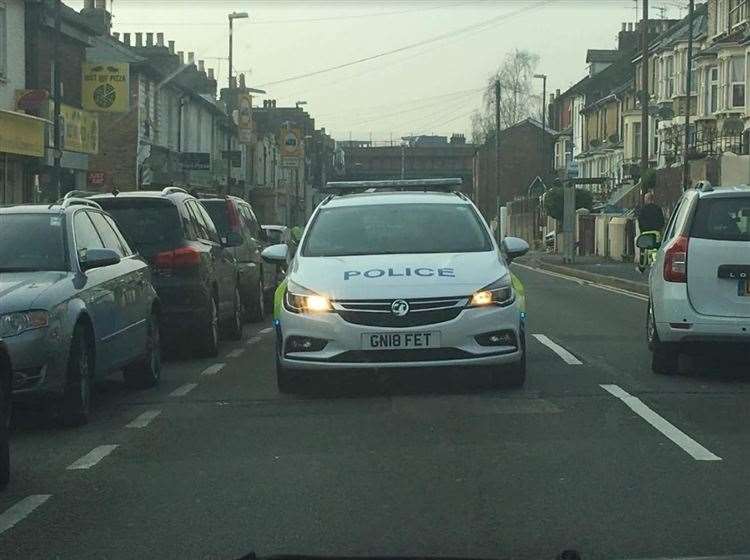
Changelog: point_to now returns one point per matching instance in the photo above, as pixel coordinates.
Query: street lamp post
(230, 107)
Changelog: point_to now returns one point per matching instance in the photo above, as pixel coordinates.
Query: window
(737, 81)
(3, 41)
(711, 89)
(382, 229)
(636, 139)
(151, 224)
(694, 81)
(126, 250)
(86, 235)
(206, 227)
(200, 226)
(30, 242)
(108, 235)
(250, 220)
(669, 77)
(724, 219)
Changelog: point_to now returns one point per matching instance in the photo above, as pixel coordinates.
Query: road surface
(594, 453)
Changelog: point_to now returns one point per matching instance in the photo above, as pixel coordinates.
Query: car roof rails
(79, 194)
(173, 189)
(72, 201)
(411, 185)
(704, 186)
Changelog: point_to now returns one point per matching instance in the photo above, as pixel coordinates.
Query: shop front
(21, 146)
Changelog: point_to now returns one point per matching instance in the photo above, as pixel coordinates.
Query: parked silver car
(76, 303)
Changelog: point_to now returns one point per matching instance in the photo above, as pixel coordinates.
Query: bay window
(669, 77)
(736, 83)
(710, 89)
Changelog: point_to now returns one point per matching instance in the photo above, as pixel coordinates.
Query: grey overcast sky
(430, 88)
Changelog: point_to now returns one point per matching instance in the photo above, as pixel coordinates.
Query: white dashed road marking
(20, 510)
(92, 457)
(253, 340)
(144, 419)
(213, 369)
(671, 432)
(566, 356)
(266, 330)
(184, 390)
(236, 353)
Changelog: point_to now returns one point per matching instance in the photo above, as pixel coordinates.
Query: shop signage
(106, 87)
(21, 134)
(196, 161)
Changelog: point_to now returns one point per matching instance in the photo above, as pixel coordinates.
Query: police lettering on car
(408, 271)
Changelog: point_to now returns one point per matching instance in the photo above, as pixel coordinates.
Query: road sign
(287, 161)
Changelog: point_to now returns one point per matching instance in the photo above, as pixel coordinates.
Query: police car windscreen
(396, 229)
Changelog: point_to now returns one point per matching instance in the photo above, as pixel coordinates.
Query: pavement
(619, 274)
(595, 453)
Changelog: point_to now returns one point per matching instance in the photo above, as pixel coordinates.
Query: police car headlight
(298, 299)
(499, 293)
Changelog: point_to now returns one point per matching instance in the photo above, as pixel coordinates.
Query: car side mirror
(275, 254)
(647, 241)
(98, 258)
(514, 247)
(231, 239)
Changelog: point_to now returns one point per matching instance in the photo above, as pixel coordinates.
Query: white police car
(394, 274)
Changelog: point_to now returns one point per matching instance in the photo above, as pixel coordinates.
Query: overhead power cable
(475, 26)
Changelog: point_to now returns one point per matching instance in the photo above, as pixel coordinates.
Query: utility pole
(403, 159)
(688, 85)
(230, 93)
(57, 183)
(497, 155)
(645, 98)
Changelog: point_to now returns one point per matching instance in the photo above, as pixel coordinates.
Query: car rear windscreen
(217, 209)
(722, 219)
(30, 242)
(274, 236)
(150, 224)
(384, 229)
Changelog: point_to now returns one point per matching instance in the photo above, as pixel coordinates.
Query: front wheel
(79, 380)
(146, 372)
(665, 356)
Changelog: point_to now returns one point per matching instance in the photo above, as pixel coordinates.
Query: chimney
(233, 83)
(191, 58)
(88, 5)
(139, 39)
(101, 4)
(116, 35)
(160, 39)
(181, 56)
(171, 47)
(149, 39)
(126, 38)
(624, 26)
(210, 73)
(242, 81)
(201, 66)
(551, 97)
(557, 93)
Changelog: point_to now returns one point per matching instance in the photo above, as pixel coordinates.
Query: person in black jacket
(650, 218)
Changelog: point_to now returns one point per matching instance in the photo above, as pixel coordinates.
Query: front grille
(377, 313)
(386, 356)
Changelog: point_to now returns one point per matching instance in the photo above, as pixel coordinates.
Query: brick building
(523, 158)
(75, 37)
(421, 157)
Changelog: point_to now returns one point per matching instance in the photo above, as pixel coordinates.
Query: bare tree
(517, 101)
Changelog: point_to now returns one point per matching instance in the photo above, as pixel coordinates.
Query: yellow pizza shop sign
(106, 87)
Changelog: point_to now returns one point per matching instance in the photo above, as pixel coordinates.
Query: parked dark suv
(234, 215)
(5, 376)
(193, 271)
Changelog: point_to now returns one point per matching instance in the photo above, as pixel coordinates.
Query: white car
(699, 283)
(390, 277)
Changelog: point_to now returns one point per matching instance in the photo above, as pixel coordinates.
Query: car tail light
(675, 260)
(184, 257)
(233, 217)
